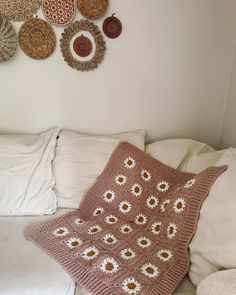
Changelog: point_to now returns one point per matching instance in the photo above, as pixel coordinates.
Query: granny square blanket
(131, 233)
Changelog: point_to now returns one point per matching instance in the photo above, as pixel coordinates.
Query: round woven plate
(82, 46)
(19, 10)
(70, 32)
(8, 40)
(37, 38)
(59, 12)
(112, 27)
(92, 9)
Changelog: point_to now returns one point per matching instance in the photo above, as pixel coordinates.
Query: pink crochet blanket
(131, 233)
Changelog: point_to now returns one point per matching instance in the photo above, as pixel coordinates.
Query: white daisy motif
(190, 183)
(111, 219)
(141, 219)
(156, 228)
(109, 196)
(179, 205)
(94, 229)
(131, 286)
(136, 189)
(98, 211)
(146, 176)
(79, 221)
(90, 253)
(144, 242)
(163, 186)
(164, 255)
(61, 231)
(152, 202)
(129, 163)
(150, 270)
(120, 179)
(109, 265)
(74, 242)
(109, 239)
(171, 230)
(164, 205)
(125, 207)
(127, 253)
(126, 229)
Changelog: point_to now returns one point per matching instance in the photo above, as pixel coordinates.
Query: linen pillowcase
(219, 283)
(26, 179)
(213, 247)
(80, 159)
(184, 154)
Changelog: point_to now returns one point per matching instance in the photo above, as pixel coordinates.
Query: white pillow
(26, 180)
(213, 247)
(80, 158)
(184, 154)
(219, 283)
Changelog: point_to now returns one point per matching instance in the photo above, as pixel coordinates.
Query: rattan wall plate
(92, 9)
(59, 12)
(112, 27)
(19, 10)
(37, 38)
(82, 46)
(70, 32)
(8, 40)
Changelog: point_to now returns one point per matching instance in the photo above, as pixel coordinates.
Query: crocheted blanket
(131, 233)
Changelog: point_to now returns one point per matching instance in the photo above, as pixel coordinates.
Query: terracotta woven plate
(112, 27)
(19, 10)
(82, 46)
(8, 40)
(37, 38)
(59, 12)
(92, 9)
(70, 32)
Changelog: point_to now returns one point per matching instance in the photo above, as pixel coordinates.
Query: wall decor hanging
(8, 39)
(82, 46)
(19, 10)
(92, 9)
(59, 12)
(37, 38)
(112, 27)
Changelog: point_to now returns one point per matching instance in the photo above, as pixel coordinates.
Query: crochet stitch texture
(131, 233)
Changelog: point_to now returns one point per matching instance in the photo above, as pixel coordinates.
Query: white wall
(228, 136)
(167, 73)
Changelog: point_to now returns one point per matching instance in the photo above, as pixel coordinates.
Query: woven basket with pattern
(92, 9)
(8, 40)
(19, 10)
(37, 38)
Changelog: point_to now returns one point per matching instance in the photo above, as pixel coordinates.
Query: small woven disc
(82, 46)
(92, 9)
(112, 27)
(8, 40)
(37, 38)
(59, 12)
(19, 10)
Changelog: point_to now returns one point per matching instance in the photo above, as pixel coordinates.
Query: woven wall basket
(70, 32)
(8, 40)
(92, 9)
(59, 12)
(37, 38)
(19, 10)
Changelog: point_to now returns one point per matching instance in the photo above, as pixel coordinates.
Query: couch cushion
(24, 269)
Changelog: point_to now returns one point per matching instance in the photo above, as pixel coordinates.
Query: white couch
(26, 270)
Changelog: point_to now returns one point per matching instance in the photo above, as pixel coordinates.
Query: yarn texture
(131, 233)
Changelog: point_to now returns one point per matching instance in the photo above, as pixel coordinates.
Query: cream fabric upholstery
(24, 268)
(219, 283)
